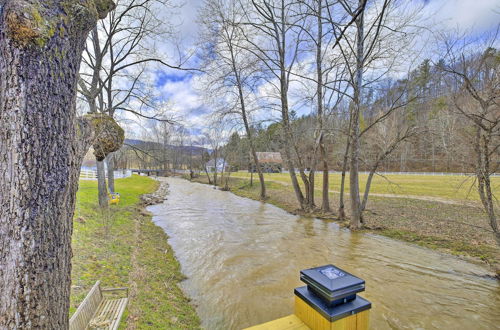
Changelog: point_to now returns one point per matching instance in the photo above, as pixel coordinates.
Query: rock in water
(158, 196)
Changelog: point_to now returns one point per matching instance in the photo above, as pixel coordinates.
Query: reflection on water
(242, 259)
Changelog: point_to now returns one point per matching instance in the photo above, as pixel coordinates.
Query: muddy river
(243, 257)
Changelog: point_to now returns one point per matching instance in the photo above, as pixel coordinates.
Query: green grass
(446, 186)
(122, 247)
(486, 253)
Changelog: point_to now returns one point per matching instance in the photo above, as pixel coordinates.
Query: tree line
(349, 69)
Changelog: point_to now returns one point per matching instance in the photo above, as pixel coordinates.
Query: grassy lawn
(122, 247)
(445, 186)
(459, 229)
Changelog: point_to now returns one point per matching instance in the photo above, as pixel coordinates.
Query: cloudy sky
(177, 88)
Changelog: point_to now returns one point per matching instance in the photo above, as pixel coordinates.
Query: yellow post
(329, 301)
(314, 320)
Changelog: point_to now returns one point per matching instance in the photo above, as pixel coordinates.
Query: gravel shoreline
(159, 195)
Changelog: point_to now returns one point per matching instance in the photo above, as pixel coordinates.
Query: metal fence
(92, 174)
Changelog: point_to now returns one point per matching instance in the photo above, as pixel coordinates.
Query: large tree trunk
(356, 214)
(102, 190)
(110, 162)
(40, 157)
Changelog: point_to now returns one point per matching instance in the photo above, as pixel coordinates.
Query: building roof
(269, 157)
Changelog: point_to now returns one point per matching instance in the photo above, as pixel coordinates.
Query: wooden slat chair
(97, 312)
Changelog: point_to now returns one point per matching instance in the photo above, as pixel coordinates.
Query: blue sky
(177, 88)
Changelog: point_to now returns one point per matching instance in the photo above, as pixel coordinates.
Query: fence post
(330, 300)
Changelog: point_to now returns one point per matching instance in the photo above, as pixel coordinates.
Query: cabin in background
(270, 162)
(221, 165)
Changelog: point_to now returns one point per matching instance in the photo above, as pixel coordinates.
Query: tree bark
(288, 138)
(41, 150)
(110, 160)
(368, 186)
(311, 204)
(308, 203)
(101, 184)
(483, 179)
(215, 167)
(342, 180)
(208, 175)
(325, 204)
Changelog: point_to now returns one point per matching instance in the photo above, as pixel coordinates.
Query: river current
(242, 260)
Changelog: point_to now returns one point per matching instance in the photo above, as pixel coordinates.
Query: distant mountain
(184, 149)
(134, 142)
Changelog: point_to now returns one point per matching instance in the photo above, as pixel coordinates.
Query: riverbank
(458, 229)
(444, 188)
(123, 247)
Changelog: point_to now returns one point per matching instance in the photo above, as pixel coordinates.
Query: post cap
(332, 283)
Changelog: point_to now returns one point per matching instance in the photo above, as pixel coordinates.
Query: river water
(243, 257)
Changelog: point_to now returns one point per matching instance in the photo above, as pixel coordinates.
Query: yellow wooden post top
(329, 301)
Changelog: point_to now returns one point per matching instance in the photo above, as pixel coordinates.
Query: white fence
(427, 173)
(92, 174)
(405, 173)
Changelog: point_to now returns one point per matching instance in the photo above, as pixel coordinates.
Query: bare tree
(362, 47)
(114, 75)
(273, 38)
(41, 146)
(388, 135)
(214, 138)
(477, 99)
(326, 93)
(233, 69)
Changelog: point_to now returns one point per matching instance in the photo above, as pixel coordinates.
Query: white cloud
(465, 14)
(184, 101)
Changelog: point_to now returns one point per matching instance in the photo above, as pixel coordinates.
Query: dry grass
(453, 187)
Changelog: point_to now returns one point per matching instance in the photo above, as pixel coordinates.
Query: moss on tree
(109, 136)
(29, 24)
